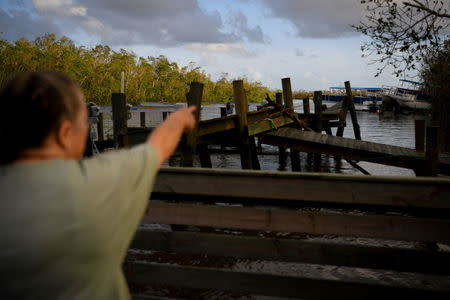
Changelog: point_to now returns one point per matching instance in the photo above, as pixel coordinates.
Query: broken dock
(357, 237)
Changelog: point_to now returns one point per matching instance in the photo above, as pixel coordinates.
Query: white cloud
(254, 74)
(217, 48)
(299, 52)
(60, 8)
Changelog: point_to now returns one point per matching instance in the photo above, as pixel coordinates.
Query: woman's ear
(64, 135)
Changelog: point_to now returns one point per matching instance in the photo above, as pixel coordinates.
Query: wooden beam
(300, 286)
(407, 193)
(349, 148)
(270, 124)
(194, 98)
(293, 250)
(315, 223)
(212, 126)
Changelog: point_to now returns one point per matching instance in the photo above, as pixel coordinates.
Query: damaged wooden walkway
(351, 148)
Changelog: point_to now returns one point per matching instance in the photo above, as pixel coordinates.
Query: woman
(66, 223)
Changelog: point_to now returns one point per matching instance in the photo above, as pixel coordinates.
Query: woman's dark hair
(32, 106)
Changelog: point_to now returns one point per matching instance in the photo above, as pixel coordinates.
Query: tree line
(98, 72)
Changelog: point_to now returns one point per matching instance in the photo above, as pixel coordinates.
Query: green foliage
(98, 71)
(302, 94)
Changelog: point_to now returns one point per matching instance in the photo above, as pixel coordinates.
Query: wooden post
(287, 93)
(351, 107)
(193, 97)
(241, 110)
(142, 115)
(318, 110)
(223, 112)
(432, 150)
(281, 150)
(342, 117)
(419, 130)
(318, 125)
(306, 109)
(205, 159)
(100, 130)
(119, 109)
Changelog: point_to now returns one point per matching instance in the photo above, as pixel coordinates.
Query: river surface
(385, 129)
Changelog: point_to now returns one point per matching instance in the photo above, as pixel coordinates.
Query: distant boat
(370, 102)
(407, 95)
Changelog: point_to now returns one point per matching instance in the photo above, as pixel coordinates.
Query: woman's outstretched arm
(167, 135)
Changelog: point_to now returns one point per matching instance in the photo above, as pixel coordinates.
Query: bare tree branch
(421, 6)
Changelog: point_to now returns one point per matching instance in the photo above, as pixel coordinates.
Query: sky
(310, 41)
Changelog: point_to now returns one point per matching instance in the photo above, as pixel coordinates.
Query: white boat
(407, 95)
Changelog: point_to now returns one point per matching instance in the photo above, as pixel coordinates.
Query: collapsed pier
(378, 236)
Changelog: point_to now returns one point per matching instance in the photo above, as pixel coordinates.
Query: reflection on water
(386, 129)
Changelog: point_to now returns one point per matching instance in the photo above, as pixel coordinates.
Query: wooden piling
(342, 117)
(241, 110)
(287, 95)
(120, 117)
(432, 150)
(306, 109)
(223, 112)
(318, 110)
(419, 130)
(193, 97)
(281, 150)
(318, 125)
(100, 128)
(205, 158)
(351, 107)
(287, 92)
(142, 117)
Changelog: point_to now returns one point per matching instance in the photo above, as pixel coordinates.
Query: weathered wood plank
(268, 125)
(322, 188)
(315, 223)
(304, 141)
(304, 287)
(216, 125)
(293, 250)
